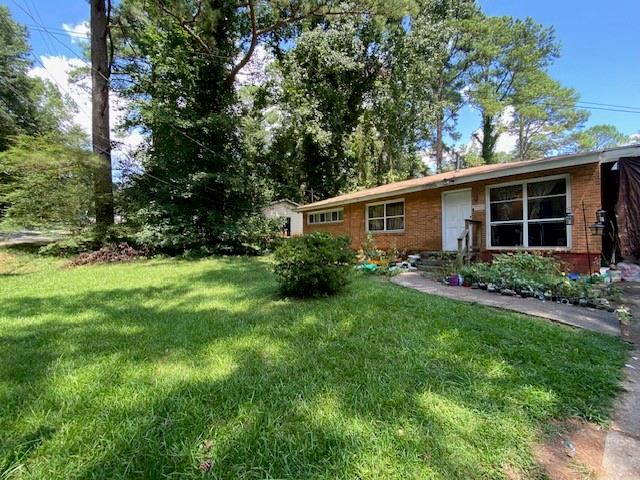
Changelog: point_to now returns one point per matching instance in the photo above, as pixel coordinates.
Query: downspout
(586, 236)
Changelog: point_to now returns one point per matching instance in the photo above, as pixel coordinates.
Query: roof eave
(561, 162)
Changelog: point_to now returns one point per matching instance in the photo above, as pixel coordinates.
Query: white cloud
(57, 69)
(78, 32)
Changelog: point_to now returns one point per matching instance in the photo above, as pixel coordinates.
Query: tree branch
(111, 47)
(185, 26)
(254, 42)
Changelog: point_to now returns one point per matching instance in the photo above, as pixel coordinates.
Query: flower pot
(624, 329)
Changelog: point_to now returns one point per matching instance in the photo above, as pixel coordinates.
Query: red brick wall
(423, 216)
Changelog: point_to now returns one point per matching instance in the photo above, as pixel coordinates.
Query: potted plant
(624, 318)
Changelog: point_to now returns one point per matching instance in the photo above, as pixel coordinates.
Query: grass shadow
(136, 367)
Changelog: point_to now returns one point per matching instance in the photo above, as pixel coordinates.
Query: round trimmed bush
(313, 265)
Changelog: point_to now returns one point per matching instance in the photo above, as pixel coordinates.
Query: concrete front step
(430, 263)
(429, 268)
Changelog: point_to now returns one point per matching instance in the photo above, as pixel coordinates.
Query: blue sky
(600, 54)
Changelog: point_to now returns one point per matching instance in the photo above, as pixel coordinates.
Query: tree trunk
(439, 141)
(439, 150)
(522, 143)
(489, 139)
(101, 142)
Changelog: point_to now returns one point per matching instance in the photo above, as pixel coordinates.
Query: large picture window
(529, 214)
(329, 216)
(386, 217)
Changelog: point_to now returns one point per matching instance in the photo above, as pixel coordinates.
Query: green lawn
(147, 369)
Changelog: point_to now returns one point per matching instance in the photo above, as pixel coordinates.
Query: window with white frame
(386, 216)
(328, 216)
(529, 214)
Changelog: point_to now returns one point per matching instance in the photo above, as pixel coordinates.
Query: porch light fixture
(568, 218)
(597, 229)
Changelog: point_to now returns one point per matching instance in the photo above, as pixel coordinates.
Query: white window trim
(330, 211)
(403, 216)
(525, 213)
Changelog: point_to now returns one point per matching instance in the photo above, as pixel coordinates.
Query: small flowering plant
(624, 315)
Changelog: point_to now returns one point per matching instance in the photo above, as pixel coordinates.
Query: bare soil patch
(572, 451)
(7, 263)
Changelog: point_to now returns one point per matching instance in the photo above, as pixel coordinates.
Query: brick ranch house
(543, 205)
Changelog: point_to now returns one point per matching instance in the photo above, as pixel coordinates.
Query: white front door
(456, 208)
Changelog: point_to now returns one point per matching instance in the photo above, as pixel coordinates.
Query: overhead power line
(609, 105)
(606, 109)
(46, 29)
(66, 33)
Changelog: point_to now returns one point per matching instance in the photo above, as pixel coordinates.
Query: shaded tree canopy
(349, 95)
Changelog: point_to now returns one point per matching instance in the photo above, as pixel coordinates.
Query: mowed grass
(145, 370)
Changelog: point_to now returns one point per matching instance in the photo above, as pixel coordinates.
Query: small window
(385, 217)
(330, 216)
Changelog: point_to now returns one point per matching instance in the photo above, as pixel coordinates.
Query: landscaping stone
(589, 319)
(569, 448)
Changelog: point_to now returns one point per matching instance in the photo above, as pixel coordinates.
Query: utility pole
(101, 141)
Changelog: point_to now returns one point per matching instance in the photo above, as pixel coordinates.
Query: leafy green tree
(325, 79)
(507, 54)
(49, 181)
(543, 113)
(378, 111)
(28, 106)
(194, 185)
(178, 62)
(443, 25)
(401, 103)
(17, 112)
(597, 137)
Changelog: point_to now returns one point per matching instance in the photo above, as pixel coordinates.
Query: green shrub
(87, 241)
(70, 246)
(249, 235)
(313, 265)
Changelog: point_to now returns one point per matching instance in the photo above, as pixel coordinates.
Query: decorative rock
(569, 448)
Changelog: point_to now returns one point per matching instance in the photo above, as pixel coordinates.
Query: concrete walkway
(581, 317)
(25, 238)
(622, 445)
